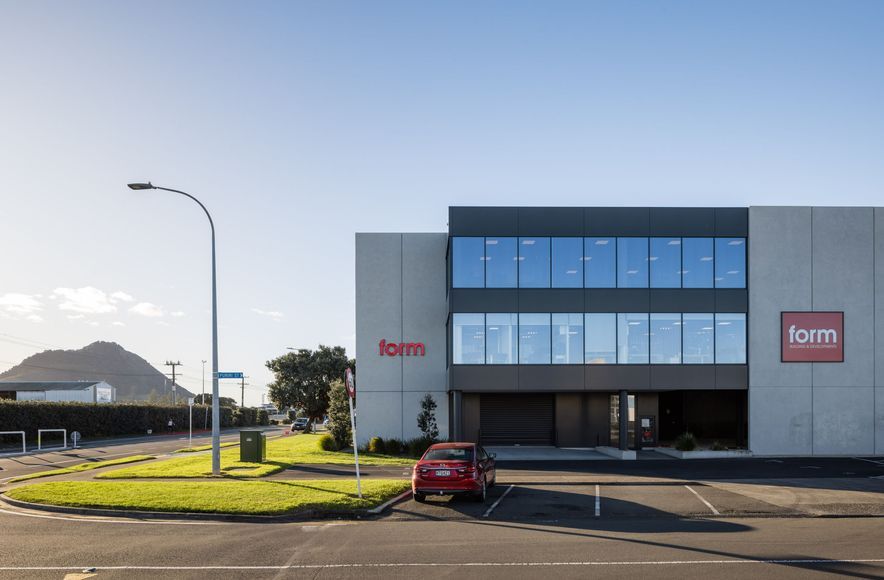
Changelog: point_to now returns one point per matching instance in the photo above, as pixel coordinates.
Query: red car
(454, 468)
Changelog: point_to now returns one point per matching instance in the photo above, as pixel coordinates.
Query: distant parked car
(300, 424)
(454, 468)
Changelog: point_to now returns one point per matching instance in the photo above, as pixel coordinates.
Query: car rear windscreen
(455, 454)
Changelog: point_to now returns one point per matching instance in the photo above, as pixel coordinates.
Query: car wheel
(482, 494)
(419, 497)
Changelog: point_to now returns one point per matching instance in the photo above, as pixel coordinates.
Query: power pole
(174, 390)
(242, 400)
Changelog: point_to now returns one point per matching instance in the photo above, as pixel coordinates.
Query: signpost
(190, 423)
(350, 382)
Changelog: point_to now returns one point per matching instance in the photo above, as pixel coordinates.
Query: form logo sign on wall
(812, 337)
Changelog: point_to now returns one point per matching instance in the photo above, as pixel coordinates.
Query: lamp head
(140, 186)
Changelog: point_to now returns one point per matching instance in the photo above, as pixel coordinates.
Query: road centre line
(702, 499)
(598, 502)
(495, 504)
(794, 561)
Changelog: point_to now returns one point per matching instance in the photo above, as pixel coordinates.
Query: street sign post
(350, 382)
(190, 422)
(230, 375)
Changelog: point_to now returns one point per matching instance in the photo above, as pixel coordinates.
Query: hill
(135, 378)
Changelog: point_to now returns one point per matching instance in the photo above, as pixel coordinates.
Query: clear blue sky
(299, 123)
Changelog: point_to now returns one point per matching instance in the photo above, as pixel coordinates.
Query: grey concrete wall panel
(843, 279)
(731, 300)
(779, 280)
(682, 377)
(481, 300)
(378, 309)
(731, 377)
(879, 420)
(879, 305)
(617, 221)
(534, 378)
(780, 421)
(553, 300)
(617, 300)
(682, 221)
(551, 221)
(483, 221)
(479, 378)
(411, 407)
(425, 311)
(678, 300)
(843, 420)
(379, 414)
(732, 222)
(616, 377)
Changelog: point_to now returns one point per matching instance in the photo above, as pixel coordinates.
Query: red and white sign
(812, 337)
(350, 382)
(401, 348)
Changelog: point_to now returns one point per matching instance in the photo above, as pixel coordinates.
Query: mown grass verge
(83, 467)
(204, 447)
(219, 496)
(282, 453)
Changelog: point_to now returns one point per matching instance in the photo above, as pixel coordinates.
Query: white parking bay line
(702, 499)
(598, 502)
(495, 504)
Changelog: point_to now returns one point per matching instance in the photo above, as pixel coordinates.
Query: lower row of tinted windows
(599, 338)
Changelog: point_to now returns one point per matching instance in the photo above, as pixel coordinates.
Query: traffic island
(292, 499)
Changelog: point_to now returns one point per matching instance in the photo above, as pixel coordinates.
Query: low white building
(67, 391)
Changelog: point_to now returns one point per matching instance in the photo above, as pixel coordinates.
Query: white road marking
(702, 499)
(795, 561)
(495, 504)
(598, 502)
(881, 462)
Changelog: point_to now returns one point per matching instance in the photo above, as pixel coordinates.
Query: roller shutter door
(516, 419)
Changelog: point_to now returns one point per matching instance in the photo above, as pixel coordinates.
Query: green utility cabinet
(252, 446)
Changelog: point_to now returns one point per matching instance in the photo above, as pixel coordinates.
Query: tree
(207, 400)
(426, 419)
(339, 414)
(303, 378)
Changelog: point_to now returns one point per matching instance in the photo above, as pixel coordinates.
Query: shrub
(718, 446)
(686, 442)
(376, 445)
(327, 442)
(339, 414)
(393, 446)
(426, 419)
(418, 445)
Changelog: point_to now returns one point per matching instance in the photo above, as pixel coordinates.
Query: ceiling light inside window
(706, 259)
(673, 243)
(528, 242)
(735, 243)
(490, 242)
(571, 272)
(601, 242)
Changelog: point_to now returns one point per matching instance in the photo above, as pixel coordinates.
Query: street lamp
(216, 409)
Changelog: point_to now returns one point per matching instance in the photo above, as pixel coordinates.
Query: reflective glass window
(665, 261)
(632, 338)
(468, 339)
(534, 262)
(567, 262)
(730, 338)
(534, 347)
(696, 262)
(567, 339)
(730, 262)
(632, 262)
(599, 261)
(468, 262)
(665, 339)
(697, 338)
(501, 263)
(601, 338)
(501, 338)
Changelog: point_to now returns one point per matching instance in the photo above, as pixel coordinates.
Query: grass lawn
(83, 467)
(218, 496)
(204, 447)
(282, 453)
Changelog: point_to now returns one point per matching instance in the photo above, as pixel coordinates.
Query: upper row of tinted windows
(537, 262)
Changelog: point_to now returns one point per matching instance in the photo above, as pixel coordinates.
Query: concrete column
(624, 420)
(457, 415)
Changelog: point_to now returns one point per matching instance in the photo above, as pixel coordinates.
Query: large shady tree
(303, 378)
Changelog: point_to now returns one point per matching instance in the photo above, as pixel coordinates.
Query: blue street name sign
(229, 375)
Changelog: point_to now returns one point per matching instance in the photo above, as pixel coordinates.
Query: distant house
(76, 391)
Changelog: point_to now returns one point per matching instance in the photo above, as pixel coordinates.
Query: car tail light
(469, 469)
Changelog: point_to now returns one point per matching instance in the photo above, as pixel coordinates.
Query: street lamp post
(216, 410)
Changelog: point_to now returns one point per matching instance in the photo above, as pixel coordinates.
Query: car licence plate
(443, 473)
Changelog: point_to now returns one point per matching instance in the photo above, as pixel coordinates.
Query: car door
(487, 464)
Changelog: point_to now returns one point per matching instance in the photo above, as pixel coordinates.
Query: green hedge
(108, 420)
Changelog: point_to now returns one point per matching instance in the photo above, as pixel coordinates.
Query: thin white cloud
(147, 309)
(34, 318)
(121, 296)
(177, 314)
(92, 323)
(275, 314)
(117, 323)
(162, 323)
(76, 316)
(21, 304)
(86, 300)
